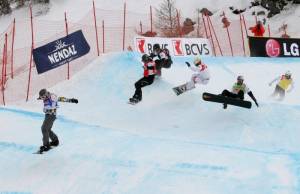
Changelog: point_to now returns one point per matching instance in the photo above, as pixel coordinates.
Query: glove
(256, 104)
(270, 84)
(188, 64)
(73, 100)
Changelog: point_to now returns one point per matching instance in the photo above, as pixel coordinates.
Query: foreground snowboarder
(50, 102)
(149, 75)
(201, 76)
(235, 97)
(283, 83)
(238, 91)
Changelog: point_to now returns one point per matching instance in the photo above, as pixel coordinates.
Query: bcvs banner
(274, 47)
(60, 52)
(176, 46)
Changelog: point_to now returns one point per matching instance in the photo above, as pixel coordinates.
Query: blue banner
(60, 52)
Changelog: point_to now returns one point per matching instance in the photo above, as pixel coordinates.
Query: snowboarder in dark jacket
(238, 91)
(149, 75)
(161, 57)
(50, 102)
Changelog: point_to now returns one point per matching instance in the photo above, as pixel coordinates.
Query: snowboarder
(238, 91)
(149, 75)
(50, 102)
(201, 76)
(161, 57)
(283, 83)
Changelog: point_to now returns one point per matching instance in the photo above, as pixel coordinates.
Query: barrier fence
(105, 31)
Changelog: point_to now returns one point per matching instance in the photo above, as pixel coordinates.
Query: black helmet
(42, 92)
(146, 58)
(156, 47)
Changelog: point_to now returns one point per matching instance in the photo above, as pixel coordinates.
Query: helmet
(156, 47)
(240, 77)
(197, 60)
(146, 58)
(288, 74)
(43, 92)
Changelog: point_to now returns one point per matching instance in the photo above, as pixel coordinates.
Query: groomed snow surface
(166, 144)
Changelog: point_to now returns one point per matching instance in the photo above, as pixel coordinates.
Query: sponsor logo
(177, 47)
(196, 49)
(141, 45)
(62, 53)
(291, 50)
(272, 48)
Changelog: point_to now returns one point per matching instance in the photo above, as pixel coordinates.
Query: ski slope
(166, 144)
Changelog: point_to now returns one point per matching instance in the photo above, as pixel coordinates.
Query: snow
(166, 144)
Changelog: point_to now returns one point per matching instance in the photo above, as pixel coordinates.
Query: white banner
(176, 46)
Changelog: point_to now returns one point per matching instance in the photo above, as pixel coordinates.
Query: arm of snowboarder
(253, 98)
(64, 99)
(276, 79)
(291, 88)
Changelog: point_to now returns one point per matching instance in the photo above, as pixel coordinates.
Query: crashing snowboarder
(161, 57)
(50, 102)
(238, 91)
(283, 83)
(149, 75)
(201, 76)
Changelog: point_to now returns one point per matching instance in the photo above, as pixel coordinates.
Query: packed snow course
(166, 144)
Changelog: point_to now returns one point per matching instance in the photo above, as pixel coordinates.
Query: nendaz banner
(176, 46)
(60, 52)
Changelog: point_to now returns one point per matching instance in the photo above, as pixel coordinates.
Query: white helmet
(288, 74)
(197, 60)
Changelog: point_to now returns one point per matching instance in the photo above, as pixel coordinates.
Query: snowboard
(180, 89)
(226, 100)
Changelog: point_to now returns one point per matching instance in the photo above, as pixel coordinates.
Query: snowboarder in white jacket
(201, 76)
(50, 102)
(283, 83)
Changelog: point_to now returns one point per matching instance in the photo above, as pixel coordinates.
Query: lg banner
(176, 46)
(274, 47)
(60, 52)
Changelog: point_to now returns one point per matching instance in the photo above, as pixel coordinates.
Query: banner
(60, 52)
(274, 47)
(176, 46)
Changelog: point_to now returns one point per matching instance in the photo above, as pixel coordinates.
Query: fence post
(243, 41)
(96, 30)
(245, 25)
(12, 50)
(2, 75)
(228, 36)
(141, 27)
(5, 58)
(210, 35)
(103, 37)
(270, 30)
(178, 21)
(67, 33)
(151, 20)
(204, 26)
(124, 26)
(32, 47)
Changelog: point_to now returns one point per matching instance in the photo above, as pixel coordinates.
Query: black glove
(73, 100)
(188, 64)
